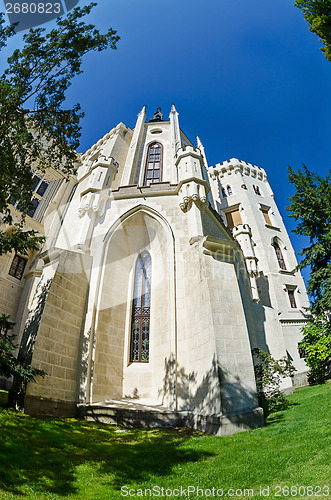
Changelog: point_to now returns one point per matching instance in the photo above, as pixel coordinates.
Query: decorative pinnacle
(199, 143)
(143, 110)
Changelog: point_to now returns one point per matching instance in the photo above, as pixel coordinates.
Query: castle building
(159, 275)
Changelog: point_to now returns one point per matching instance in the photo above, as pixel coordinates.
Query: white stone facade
(215, 291)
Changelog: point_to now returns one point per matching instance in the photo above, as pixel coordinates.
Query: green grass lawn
(53, 459)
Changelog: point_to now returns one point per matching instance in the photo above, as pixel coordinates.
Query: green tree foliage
(311, 206)
(9, 364)
(318, 15)
(36, 129)
(269, 373)
(316, 346)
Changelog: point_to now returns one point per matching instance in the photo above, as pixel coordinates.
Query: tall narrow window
(292, 299)
(229, 190)
(265, 212)
(153, 170)
(279, 255)
(141, 309)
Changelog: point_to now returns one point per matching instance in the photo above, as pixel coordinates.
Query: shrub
(268, 374)
(316, 347)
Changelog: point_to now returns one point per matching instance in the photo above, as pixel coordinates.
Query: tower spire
(202, 149)
(134, 146)
(175, 130)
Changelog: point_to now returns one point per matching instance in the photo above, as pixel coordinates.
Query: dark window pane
(35, 203)
(292, 298)
(17, 267)
(42, 188)
(36, 179)
(279, 256)
(153, 163)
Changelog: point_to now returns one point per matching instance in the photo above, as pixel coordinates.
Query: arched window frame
(150, 166)
(279, 255)
(140, 311)
(229, 190)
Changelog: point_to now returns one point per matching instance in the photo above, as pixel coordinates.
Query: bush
(316, 347)
(268, 374)
(9, 364)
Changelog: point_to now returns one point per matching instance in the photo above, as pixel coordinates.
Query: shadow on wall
(254, 311)
(238, 404)
(83, 356)
(218, 388)
(28, 341)
(263, 285)
(33, 321)
(83, 364)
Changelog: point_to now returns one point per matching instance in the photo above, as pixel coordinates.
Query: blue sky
(247, 76)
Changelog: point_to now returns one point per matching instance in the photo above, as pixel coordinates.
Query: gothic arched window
(229, 190)
(279, 255)
(141, 307)
(153, 170)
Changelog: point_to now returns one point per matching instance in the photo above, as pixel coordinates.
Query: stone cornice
(221, 247)
(298, 321)
(135, 191)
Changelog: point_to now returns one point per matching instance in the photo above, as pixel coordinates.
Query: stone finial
(158, 115)
(199, 143)
(173, 109)
(143, 110)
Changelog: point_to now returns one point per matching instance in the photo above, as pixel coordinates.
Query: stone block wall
(10, 294)
(56, 326)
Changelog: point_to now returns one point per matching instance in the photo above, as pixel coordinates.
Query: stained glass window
(153, 164)
(141, 309)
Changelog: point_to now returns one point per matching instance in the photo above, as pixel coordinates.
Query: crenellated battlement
(241, 229)
(187, 150)
(237, 166)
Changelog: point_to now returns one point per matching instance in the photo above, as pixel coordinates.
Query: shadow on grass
(274, 418)
(278, 416)
(44, 453)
